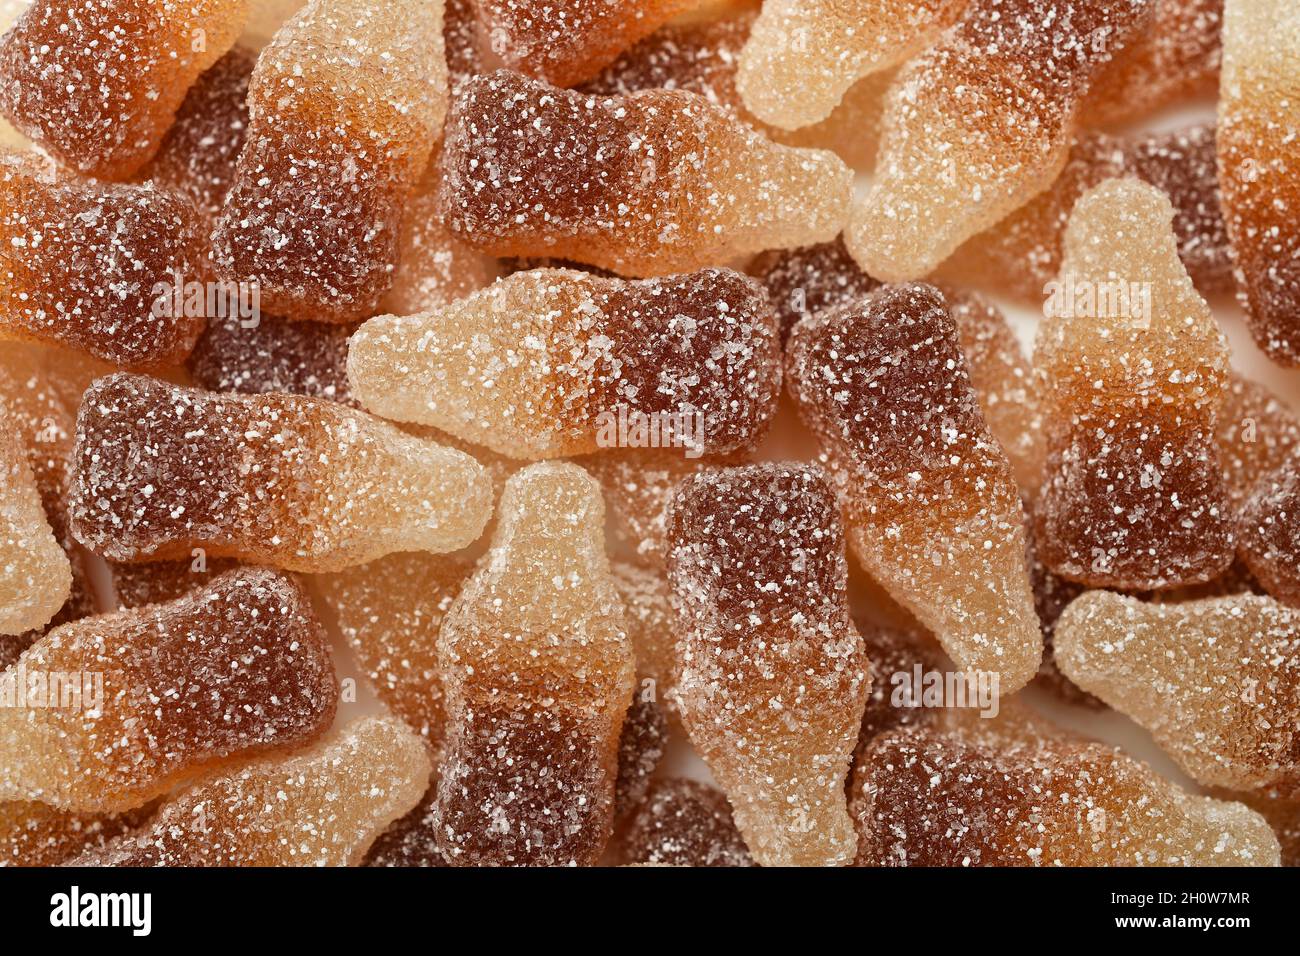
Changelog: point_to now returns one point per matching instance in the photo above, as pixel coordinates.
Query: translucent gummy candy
(811, 278)
(931, 505)
(684, 823)
(1021, 255)
(804, 55)
(98, 84)
(1258, 168)
(640, 748)
(295, 482)
(1133, 370)
(1268, 531)
(773, 675)
(349, 93)
(925, 797)
(1256, 434)
(322, 807)
(651, 183)
(35, 834)
(97, 267)
(1283, 815)
(538, 673)
(566, 41)
(552, 362)
(112, 711)
(979, 124)
(1217, 682)
(35, 575)
(651, 627)
(1176, 57)
(390, 612)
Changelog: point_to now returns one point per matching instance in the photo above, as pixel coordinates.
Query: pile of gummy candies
(370, 319)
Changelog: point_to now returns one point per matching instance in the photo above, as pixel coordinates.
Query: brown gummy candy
(157, 582)
(300, 483)
(684, 823)
(1257, 432)
(322, 807)
(349, 93)
(98, 84)
(35, 834)
(930, 502)
(773, 675)
(550, 363)
(1133, 369)
(640, 748)
(97, 267)
(651, 183)
(1268, 531)
(1216, 681)
(538, 672)
(148, 698)
(811, 278)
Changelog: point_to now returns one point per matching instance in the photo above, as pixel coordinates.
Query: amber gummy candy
(1259, 170)
(156, 582)
(804, 55)
(322, 807)
(1268, 530)
(928, 797)
(351, 94)
(1257, 433)
(979, 124)
(98, 84)
(1133, 370)
(238, 668)
(640, 748)
(566, 41)
(35, 834)
(651, 183)
(684, 823)
(296, 482)
(96, 267)
(811, 278)
(549, 362)
(773, 675)
(1216, 681)
(652, 629)
(538, 672)
(930, 502)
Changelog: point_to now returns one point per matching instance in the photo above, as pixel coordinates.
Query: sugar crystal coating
(98, 84)
(1268, 530)
(929, 797)
(1258, 168)
(652, 629)
(538, 672)
(409, 841)
(157, 582)
(300, 483)
(979, 124)
(930, 502)
(1281, 812)
(150, 697)
(640, 748)
(1256, 433)
(684, 823)
(566, 41)
(549, 362)
(347, 102)
(322, 807)
(1217, 681)
(773, 676)
(97, 267)
(651, 183)
(894, 654)
(809, 279)
(35, 834)
(804, 55)
(1133, 369)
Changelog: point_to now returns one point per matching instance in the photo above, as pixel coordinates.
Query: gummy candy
(979, 124)
(640, 748)
(97, 267)
(652, 183)
(567, 41)
(349, 93)
(35, 575)
(390, 612)
(930, 501)
(157, 582)
(1256, 434)
(1176, 57)
(199, 153)
(926, 797)
(1052, 595)
(804, 55)
(274, 355)
(538, 672)
(811, 278)
(98, 84)
(34, 834)
(773, 674)
(1282, 814)
(1268, 531)
(322, 807)
(1133, 369)
(684, 823)
(236, 669)
(552, 362)
(409, 841)
(1021, 255)
(651, 627)
(1217, 681)
(1258, 170)
(300, 483)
